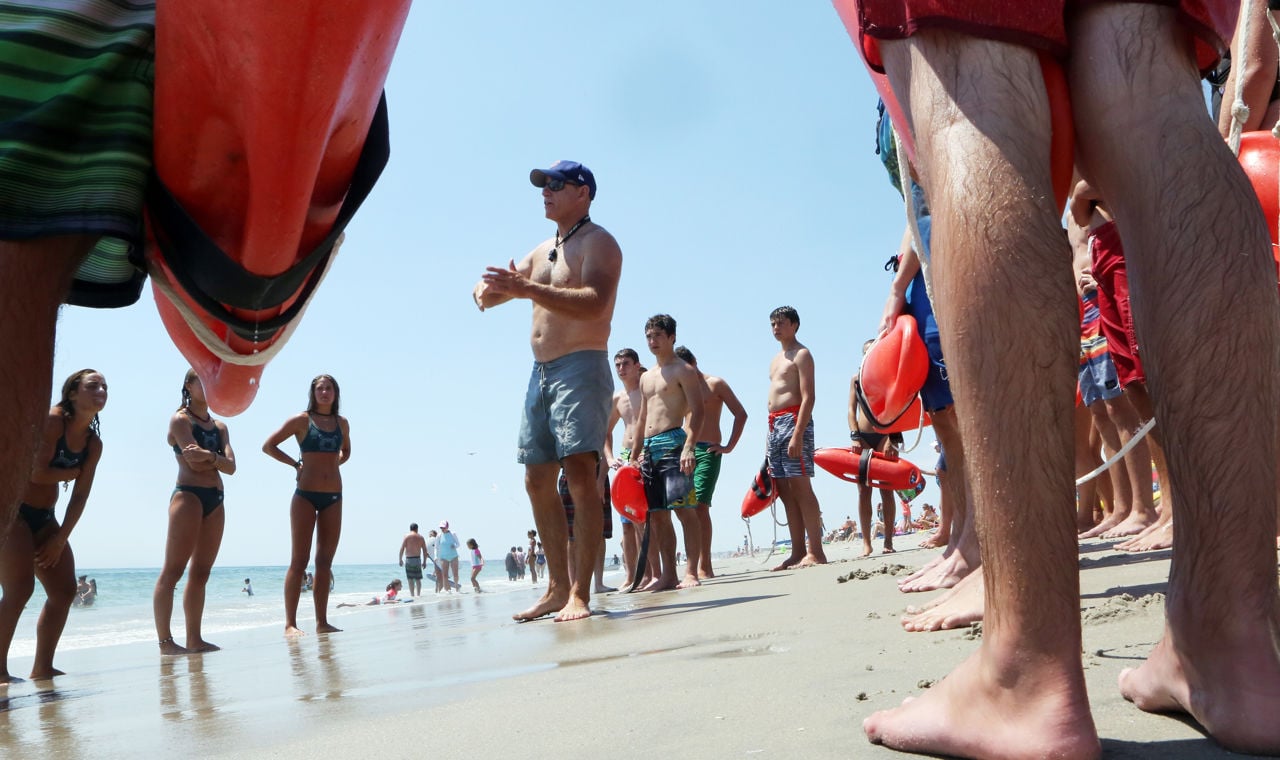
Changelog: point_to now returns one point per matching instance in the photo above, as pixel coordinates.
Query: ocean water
(122, 613)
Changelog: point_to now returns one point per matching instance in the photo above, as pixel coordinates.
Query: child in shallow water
(477, 562)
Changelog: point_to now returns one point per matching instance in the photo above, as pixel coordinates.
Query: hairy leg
(1007, 313)
(553, 530)
(580, 472)
(1195, 243)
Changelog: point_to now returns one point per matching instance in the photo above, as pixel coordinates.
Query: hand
(48, 553)
(716, 448)
(895, 305)
(506, 282)
(795, 447)
(613, 463)
(687, 461)
(298, 474)
(401, 563)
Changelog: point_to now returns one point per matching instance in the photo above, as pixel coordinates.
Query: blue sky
(733, 146)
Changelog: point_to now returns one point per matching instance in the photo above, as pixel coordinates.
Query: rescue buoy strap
(866, 408)
(217, 283)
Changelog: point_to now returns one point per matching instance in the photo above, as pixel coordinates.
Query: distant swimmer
(415, 547)
(86, 592)
(572, 282)
(248, 587)
(324, 443)
(202, 446)
(69, 450)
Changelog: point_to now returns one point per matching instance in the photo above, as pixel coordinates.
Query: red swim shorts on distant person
(1113, 303)
(1037, 24)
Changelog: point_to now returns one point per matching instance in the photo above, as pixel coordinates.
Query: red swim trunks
(1037, 24)
(1113, 303)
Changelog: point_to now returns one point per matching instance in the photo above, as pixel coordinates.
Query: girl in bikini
(37, 545)
(477, 562)
(324, 441)
(202, 446)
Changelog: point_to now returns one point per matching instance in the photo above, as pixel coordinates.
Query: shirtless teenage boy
(572, 282)
(416, 547)
(716, 395)
(624, 406)
(662, 444)
(790, 441)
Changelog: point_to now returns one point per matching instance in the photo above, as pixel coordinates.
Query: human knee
(60, 591)
(198, 576)
(19, 590)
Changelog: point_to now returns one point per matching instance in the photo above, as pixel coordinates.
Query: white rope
(1125, 449)
(1240, 111)
(214, 342)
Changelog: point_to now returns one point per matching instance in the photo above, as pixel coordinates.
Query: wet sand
(752, 663)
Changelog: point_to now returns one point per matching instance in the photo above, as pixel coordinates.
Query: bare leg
(1195, 243)
(692, 530)
(663, 546)
(328, 531)
(206, 552)
(580, 471)
(302, 524)
(704, 523)
(17, 558)
(1118, 475)
(548, 516)
(1086, 461)
(864, 518)
(599, 587)
(982, 126)
(1142, 513)
(1159, 535)
(59, 584)
(184, 532)
(810, 512)
(34, 279)
(630, 551)
(795, 522)
(887, 517)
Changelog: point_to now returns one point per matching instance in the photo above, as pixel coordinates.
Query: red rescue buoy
(761, 494)
(627, 493)
(269, 131)
(1260, 158)
(893, 371)
(870, 468)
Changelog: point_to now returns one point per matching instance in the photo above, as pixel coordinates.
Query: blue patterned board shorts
(781, 427)
(566, 407)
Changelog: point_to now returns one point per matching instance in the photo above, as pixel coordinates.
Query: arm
(345, 454)
(908, 266)
(291, 428)
(1258, 69)
(487, 297)
(225, 462)
(739, 413)
(1083, 199)
(48, 553)
(402, 548)
(601, 267)
(614, 415)
(853, 404)
(804, 365)
(693, 421)
(642, 419)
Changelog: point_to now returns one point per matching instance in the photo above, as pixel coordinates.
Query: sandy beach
(752, 664)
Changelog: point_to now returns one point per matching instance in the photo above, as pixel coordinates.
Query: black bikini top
(325, 441)
(63, 457)
(207, 439)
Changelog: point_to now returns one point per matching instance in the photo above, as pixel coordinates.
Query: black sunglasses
(554, 184)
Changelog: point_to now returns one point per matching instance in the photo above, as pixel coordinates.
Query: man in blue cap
(572, 281)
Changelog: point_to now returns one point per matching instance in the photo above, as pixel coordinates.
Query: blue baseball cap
(569, 171)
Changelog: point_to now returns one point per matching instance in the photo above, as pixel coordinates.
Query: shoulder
(221, 426)
(601, 246)
(343, 422)
(716, 384)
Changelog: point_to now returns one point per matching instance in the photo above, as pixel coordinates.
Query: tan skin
(573, 298)
(193, 537)
(858, 421)
(416, 546)
(791, 383)
(716, 396)
(670, 397)
(626, 403)
(46, 556)
(316, 471)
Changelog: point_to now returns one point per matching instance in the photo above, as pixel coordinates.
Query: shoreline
(753, 662)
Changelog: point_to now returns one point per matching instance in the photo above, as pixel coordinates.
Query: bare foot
(705, 574)
(928, 566)
(293, 630)
(171, 647)
(812, 558)
(661, 584)
(1230, 684)
(200, 645)
(788, 563)
(543, 607)
(6, 679)
(1043, 707)
(1108, 522)
(866, 549)
(958, 607)
(940, 537)
(1158, 537)
(43, 675)
(945, 574)
(326, 628)
(600, 589)
(888, 549)
(576, 609)
(689, 582)
(1135, 523)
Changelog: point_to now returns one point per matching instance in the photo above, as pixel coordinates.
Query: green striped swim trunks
(76, 80)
